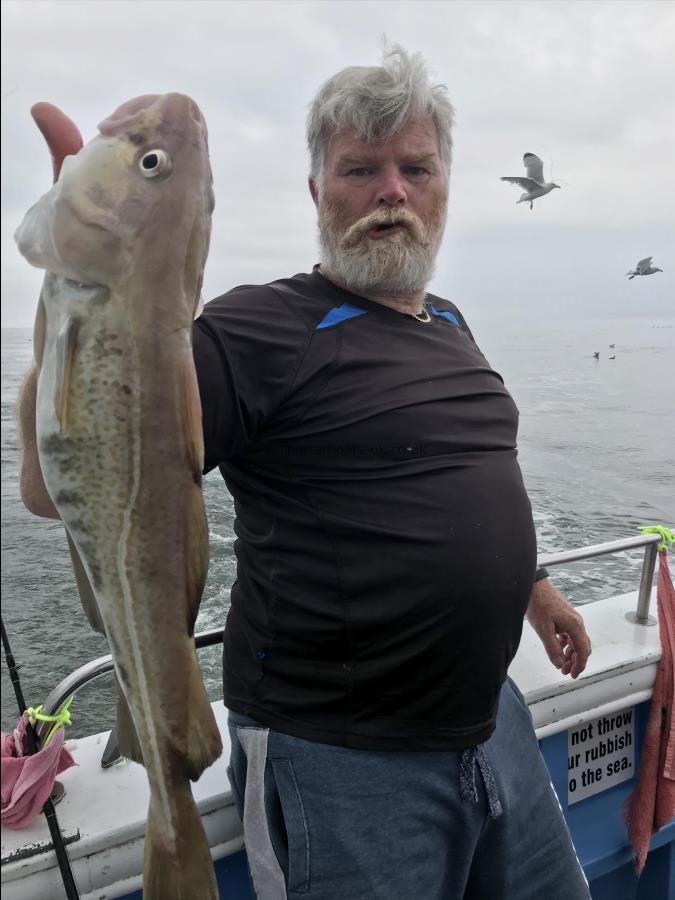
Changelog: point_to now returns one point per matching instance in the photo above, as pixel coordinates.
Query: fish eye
(154, 163)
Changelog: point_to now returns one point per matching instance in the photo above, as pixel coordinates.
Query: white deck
(103, 811)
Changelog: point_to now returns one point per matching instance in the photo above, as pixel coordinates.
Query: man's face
(382, 209)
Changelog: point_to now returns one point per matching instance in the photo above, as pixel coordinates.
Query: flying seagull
(644, 267)
(534, 185)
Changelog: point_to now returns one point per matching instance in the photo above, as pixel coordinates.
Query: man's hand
(560, 628)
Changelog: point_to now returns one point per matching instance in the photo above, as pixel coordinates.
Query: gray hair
(376, 102)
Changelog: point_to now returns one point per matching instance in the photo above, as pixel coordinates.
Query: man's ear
(314, 190)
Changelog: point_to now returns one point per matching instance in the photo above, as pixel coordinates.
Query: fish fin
(66, 342)
(127, 736)
(197, 530)
(192, 422)
(179, 869)
(87, 596)
(196, 554)
(39, 332)
(196, 249)
(34, 492)
(204, 744)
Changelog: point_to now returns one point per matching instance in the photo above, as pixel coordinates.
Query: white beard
(402, 263)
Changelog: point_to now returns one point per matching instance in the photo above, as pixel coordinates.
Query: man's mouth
(385, 228)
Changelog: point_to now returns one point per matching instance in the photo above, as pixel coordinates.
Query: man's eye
(360, 172)
(416, 172)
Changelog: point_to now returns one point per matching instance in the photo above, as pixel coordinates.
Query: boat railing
(95, 668)
(649, 541)
(104, 664)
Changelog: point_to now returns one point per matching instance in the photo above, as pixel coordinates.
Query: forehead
(417, 138)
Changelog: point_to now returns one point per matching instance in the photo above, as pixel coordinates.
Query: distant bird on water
(534, 184)
(644, 267)
(596, 355)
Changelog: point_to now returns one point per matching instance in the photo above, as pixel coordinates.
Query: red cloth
(28, 779)
(652, 803)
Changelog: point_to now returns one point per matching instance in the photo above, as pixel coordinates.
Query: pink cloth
(652, 803)
(28, 780)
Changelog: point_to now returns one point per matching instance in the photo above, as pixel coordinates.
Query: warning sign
(600, 754)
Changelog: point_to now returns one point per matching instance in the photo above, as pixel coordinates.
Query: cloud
(587, 86)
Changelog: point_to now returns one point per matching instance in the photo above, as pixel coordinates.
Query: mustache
(358, 230)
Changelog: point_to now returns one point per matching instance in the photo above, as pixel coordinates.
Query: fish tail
(204, 744)
(182, 868)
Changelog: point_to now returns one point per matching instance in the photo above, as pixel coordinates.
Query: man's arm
(560, 628)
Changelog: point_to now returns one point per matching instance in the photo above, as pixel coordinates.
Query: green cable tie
(667, 536)
(62, 717)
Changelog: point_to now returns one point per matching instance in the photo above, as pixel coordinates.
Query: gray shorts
(328, 823)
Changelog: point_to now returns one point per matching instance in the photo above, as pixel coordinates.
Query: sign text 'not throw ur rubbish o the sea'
(600, 754)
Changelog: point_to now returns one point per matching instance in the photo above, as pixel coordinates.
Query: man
(386, 551)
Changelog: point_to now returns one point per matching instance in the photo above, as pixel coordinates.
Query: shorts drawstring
(476, 757)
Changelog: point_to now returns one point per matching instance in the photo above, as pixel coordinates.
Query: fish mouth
(87, 291)
(81, 285)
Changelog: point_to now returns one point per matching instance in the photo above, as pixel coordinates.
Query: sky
(588, 86)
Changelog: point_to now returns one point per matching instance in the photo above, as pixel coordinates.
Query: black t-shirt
(385, 545)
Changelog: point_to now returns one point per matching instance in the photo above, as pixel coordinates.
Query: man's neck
(411, 303)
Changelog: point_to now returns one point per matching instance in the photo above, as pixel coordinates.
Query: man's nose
(391, 188)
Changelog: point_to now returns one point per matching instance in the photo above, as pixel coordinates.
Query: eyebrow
(369, 160)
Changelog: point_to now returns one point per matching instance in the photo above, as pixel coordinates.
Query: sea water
(597, 450)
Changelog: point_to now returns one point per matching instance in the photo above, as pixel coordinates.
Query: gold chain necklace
(424, 316)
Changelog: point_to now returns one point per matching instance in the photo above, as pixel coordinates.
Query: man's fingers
(62, 135)
(576, 651)
(582, 647)
(554, 647)
(566, 654)
(569, 654)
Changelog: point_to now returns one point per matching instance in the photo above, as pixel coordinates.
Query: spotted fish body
(123, 236)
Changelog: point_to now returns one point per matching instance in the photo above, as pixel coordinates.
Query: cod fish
(123, 235)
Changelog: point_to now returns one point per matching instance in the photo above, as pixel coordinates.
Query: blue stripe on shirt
(444, 315)
(340, 314)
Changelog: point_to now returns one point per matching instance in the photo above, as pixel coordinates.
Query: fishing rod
(72, 892)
